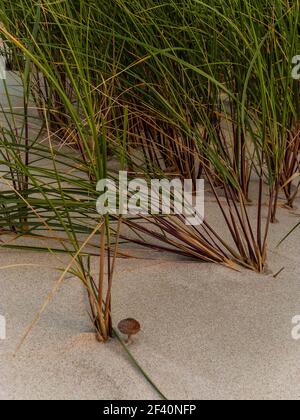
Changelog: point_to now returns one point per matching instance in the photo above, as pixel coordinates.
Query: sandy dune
(207, 332)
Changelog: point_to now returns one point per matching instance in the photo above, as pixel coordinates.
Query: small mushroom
(129, 327)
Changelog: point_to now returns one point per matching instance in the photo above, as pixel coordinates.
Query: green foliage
(199, 88)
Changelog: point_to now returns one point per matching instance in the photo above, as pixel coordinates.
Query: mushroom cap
(129, 326)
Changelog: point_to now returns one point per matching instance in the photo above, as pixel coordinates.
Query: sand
(207, 332)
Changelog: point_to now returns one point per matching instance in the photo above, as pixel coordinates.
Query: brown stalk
(107, 314)
(101, 321)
